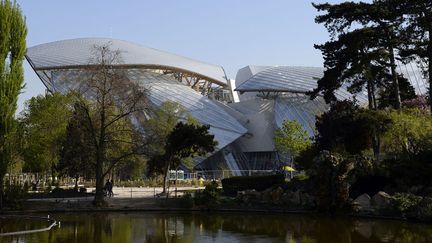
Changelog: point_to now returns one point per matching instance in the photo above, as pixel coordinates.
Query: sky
(229, 33)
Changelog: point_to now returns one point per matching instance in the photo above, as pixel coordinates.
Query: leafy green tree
(13, 32)
(292, 139)
(45, 118)
(184, 141)
(162, 122)
(409, 135)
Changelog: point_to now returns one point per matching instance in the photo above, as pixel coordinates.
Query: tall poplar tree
(13, 33)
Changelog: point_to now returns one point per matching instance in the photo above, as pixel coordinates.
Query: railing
(53, 223)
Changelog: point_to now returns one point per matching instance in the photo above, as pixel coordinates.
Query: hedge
(240, 183)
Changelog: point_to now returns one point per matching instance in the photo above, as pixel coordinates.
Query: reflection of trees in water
(154, 227)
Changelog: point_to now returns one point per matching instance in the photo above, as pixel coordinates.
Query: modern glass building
(267, 95)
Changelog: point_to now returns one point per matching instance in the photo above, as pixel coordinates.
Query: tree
(386, 97)
(160, 125)
(363, 39)
(108, 100)
(184, 141)
(418, 32)
(77, 153)
(45, 119)
(291, 139)
(347, 128)
(13, 32)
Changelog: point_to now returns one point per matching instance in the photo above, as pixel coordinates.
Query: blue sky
(230, 33)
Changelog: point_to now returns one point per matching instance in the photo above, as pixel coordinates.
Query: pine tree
(418, 30)
(13, 33)
(362, 47)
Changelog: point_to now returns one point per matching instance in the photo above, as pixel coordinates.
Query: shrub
(301, 177)
(210, 196)
(186, 201)
(240, 183)
(424, 211)
(15, 195)
(405, 203)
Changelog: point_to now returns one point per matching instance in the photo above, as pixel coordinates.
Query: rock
(381, 200)
(286, 197)
(363, 202)
(277, 194)
(248, 195)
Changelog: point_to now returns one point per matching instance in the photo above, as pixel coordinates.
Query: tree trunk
(372, 106)
(166, 177)
(76, 182)
(99, 196)
(1, 191)
(430, 66)
(395, 79)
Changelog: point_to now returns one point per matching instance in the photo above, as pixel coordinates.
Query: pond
(211, 227)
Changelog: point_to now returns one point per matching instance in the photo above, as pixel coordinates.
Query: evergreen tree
(362, 47)
(418, 31)
(13, 33)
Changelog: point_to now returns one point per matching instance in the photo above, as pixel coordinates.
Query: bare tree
(109, 102)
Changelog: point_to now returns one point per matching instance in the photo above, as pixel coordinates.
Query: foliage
(349, 128)
(408, 144)
(410, 133)
(240, 183)
(291, 138)
(405, 202)
(331, 174)
(301, 177)
(184, 141)
(417, 29)
(15, 195)
(186, 201)
(77, 153)
(386, 94)
(44, 120)
(210, 196)
(13, 32)
(361, 50)
(162, 122)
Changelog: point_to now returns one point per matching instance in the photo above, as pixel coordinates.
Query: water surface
(222, 227)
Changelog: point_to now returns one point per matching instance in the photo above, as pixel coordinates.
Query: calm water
(229, 227)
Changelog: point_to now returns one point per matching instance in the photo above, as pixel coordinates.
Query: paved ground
(124, 198)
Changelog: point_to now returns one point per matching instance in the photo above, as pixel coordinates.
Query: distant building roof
(78, 53)
(290, 79)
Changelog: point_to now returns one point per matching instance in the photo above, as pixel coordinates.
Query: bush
(82, 190)
(300, 177)
(240, 183)
(210, 196)
(424, 211)
(406, 203)
(15, 195)
(186, 201)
